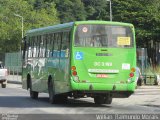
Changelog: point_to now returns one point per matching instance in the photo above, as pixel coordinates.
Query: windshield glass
(103, 36)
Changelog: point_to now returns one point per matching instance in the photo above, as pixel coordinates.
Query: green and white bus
(80, 59)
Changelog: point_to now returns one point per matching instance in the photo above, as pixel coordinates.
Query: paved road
(15, 100)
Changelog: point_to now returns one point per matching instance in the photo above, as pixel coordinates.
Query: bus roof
(53, 28)
(102, 22)
(50, 28)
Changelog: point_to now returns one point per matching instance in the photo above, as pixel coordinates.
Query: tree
(70, 10)
(10, 35)
(141, 13)
(97, 9)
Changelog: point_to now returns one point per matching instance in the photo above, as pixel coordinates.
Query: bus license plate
(101, 76)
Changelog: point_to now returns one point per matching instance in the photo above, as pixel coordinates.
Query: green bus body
(61, 60)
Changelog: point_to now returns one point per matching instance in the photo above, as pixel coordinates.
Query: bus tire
(108, 100)
(33, 94)
(99, 99)
(62, 98)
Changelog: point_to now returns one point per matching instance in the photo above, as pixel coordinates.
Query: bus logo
(79, 56)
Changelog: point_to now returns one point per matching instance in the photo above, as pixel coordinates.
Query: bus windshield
(111, 36)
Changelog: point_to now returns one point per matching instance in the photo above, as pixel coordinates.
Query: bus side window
(65, 45)
(42, 46)
(38, 46)
(29, 47)
(59, 44)
(47, 41)
(34, 50)
(35, 46)
(50, 45)
(56, 45)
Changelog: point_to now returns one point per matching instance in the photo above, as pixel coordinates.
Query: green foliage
(144, 14)
(96, 9)
(11, 28)
(70, 10)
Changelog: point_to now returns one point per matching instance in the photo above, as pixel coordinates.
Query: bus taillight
(131, 74)
(133, 69)
(73, 68)
(74, 73)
